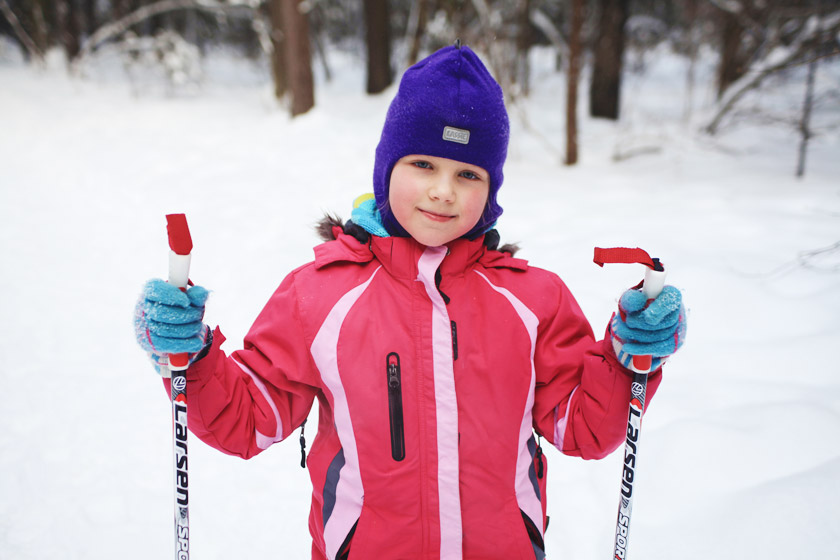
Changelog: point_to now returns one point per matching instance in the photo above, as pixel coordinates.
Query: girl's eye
(469, 175)
(422, 164)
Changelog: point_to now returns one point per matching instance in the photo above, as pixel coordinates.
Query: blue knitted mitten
(656, 329)
(169, 321)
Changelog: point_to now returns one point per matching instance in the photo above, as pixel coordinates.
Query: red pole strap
(625, 255)
(179, 234)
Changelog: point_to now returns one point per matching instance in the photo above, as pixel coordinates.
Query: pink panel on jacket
(264, 441)
(349, 493)
(446, 410)
(560, 423)
(525, 496)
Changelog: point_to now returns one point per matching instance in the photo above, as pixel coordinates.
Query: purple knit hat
(448, 105)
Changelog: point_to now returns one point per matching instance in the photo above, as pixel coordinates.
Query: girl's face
(436, 199)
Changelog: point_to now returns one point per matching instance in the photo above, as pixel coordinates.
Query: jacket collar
(343, 248)
(399, 255)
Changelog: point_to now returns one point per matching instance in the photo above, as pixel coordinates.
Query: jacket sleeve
(243, 403)
(582, 392)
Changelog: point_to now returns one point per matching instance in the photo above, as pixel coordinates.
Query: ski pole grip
(179, 269)
(652, 286)
(654, 283)
(180, 245)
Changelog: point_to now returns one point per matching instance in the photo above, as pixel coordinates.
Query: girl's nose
(442, 189)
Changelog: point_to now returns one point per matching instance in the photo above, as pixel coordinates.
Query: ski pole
(652, 286)
(180, 244)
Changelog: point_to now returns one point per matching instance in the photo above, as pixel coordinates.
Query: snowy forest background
(754, 41)
(705, 131)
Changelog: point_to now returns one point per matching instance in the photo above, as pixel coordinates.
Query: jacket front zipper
(395, 407)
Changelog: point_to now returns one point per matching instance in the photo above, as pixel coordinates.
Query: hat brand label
(459, 135)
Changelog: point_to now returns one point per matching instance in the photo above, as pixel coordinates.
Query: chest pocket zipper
(395, 406)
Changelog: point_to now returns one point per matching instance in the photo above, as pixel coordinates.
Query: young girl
(433, 355)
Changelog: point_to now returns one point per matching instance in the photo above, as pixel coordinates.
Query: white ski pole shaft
(180, 245)
(641, 366)
(654, 282)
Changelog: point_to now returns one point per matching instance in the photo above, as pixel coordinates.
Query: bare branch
(21, 33)
(542, 22)
(806, 258)
(778, 59)
(116, 28)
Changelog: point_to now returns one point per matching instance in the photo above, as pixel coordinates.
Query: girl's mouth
(436, 217)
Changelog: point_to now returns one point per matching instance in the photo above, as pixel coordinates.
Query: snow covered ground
(736, 458)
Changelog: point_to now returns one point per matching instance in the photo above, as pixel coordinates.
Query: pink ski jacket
(432, 368)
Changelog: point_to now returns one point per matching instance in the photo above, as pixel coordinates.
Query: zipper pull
(393, 371)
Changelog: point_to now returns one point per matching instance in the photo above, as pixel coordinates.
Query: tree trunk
(575, 52)
(693, 48)
(732, 64)
(417, 28)
(297, 57)
(378, 38)
(87, 17)
(278, 64)
(524, 40)
(605, 88)
(805, 123)
(41, 32)
(66, 28)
